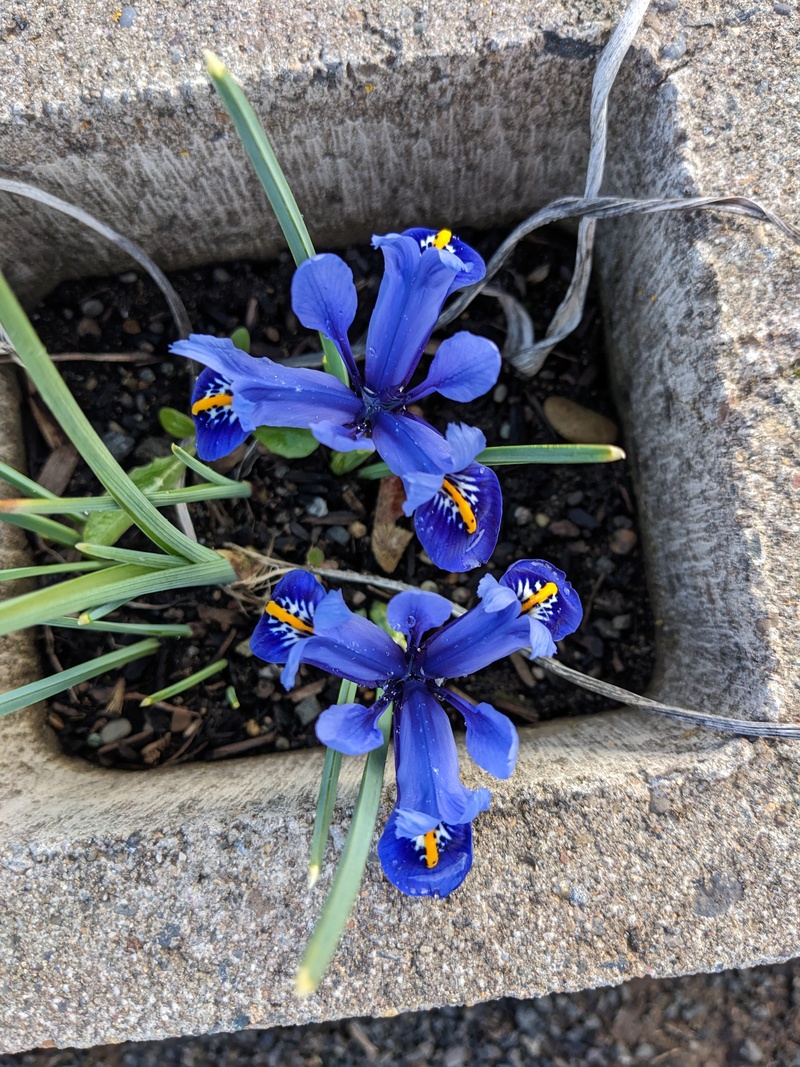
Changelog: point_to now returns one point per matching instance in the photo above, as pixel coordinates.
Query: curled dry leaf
(389, 541)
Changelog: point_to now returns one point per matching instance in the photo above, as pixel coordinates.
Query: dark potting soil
(581, 518)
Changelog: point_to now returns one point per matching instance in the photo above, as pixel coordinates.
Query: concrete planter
(173, 903)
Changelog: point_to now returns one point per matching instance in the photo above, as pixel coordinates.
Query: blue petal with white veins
(473, 269)
(459, 526)
(426, 869)
(215, 421)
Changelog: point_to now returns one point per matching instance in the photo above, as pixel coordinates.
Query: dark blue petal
(351, 646)
(464, 368)
(288, 619)
(415, 612)
(324, 298)
(471, 642)
(408, 444)
(492, 739)
(414, 287)
(215, 421)
(459, 526)
(545, 595)
(473, 268)
(429, 790)
(405, 859)
(351, 728)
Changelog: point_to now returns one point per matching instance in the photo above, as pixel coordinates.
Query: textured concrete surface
(139, 907)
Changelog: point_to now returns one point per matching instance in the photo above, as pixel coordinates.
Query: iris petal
(324, 298)
(473, 269)
(473, 641)
(428, 786)
(351, 728)
(350, 646)
(216, 424)
(545, 595)
(459, 526)
(218, 353)
(464, 368)
(288, 621)
(273, 395)
(404, 859)
(492, 739)
(342, 438)
(409, 444)
(413, 290)
(415, 612)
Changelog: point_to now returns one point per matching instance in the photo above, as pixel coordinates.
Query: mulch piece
(580, 518)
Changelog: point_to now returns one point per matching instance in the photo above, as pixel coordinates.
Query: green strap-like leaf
(122, 583)
(279, 193)
(185, 683)
(350, 871)
(15, 699)
(508, 455)
(61, 402)
(143, 629)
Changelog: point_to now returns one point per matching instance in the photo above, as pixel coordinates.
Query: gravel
(720, 1020)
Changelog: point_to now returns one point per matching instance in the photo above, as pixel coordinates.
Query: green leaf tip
(214, 65)
(313, 875)
(304, 985)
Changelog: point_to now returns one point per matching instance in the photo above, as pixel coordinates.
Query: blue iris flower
(237, 393)
(426, 848)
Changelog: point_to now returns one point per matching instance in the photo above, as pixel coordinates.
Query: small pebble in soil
(622, 541)
(522, 515)
(578, 424)
(115, 730)
(92, 308)
(318, 508)
(120, 445)
(307, 710)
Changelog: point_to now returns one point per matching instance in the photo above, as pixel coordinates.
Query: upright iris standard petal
(415, 612)
(545, 596)
(492, 739)
(426, 759)
(473, 268)
(413, 290)
(288, 621)
(216, 424)
(464, 368)
(324, 298)
(426, 865)
(459, 526)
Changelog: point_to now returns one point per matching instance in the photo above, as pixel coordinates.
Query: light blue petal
(465, 443)
(473, 641)
(459, 526)
(413, 290)
(492, 739)
(351, 646)
(273, 395)
(415, 612)
(464, 368)
(404, 859)
(408, 444)
(420, 486)
(494, 596)
(428, 786)
(351, 728)
(342, 438)
(218, 353)
(324, 298)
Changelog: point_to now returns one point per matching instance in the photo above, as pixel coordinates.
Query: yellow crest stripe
(549, 589)
(464, 509)
(431, 849)
(443, 239)
(282, 615)
(218, 401)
